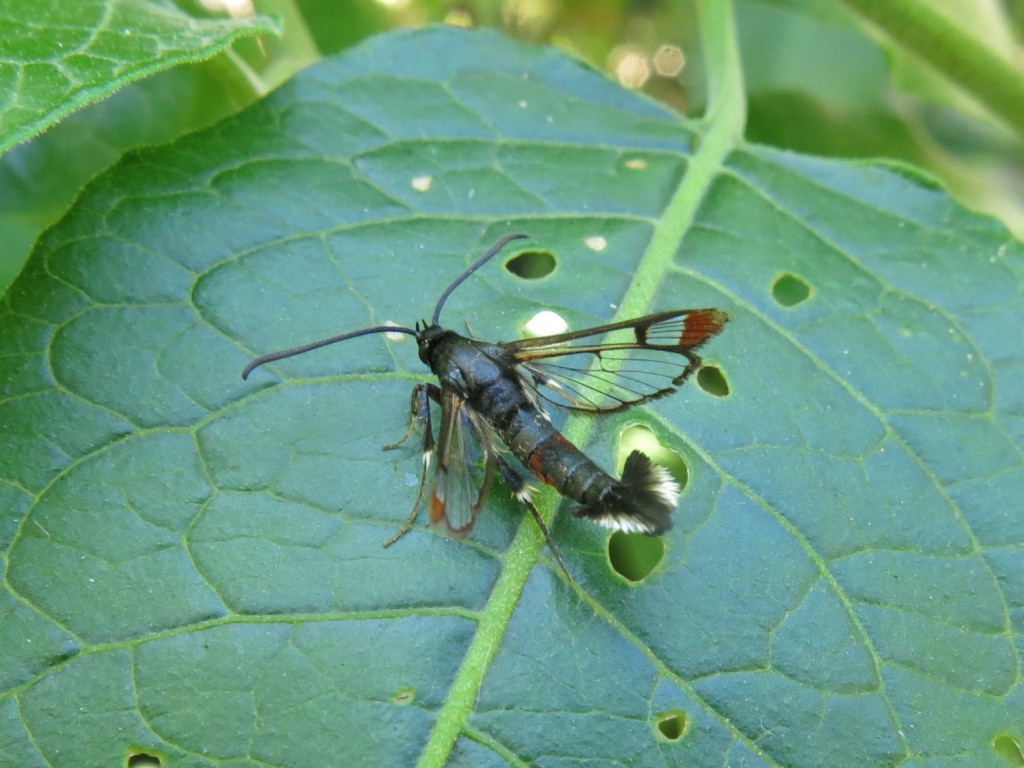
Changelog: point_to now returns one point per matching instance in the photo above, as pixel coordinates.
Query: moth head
(427, 337)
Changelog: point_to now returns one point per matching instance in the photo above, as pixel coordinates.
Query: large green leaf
(194, 565)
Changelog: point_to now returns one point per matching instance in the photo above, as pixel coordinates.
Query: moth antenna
(479, 263)
(292, 351)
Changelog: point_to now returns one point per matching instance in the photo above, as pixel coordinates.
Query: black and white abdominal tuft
(642, 502)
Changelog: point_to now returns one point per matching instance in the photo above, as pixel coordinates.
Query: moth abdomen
(641, 502)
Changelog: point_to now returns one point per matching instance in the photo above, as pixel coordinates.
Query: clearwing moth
(494, 394)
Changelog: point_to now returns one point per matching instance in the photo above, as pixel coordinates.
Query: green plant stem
(725, 118)
(961, 57)
(726, 113)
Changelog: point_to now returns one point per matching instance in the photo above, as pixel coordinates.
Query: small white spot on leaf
(422, 183)
(596, 243)
(394, 336)
(545, 323)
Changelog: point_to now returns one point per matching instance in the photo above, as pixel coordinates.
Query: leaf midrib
(724, 128)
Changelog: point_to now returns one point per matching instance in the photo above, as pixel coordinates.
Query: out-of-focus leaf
(56, 56)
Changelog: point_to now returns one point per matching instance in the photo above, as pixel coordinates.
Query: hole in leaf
(790, 290)
(531, 265)
(633, 555)
(404, 696)
(545, 323)
(641, 438)
(673, 725)
(1009, 749)
(711, 379)
(143, 760)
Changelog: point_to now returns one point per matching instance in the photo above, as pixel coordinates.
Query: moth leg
(420, 408)
(421, 397)
(485, 488)
(524, 492)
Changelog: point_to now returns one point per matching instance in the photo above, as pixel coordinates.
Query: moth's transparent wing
(464, 469)
(654, 357)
